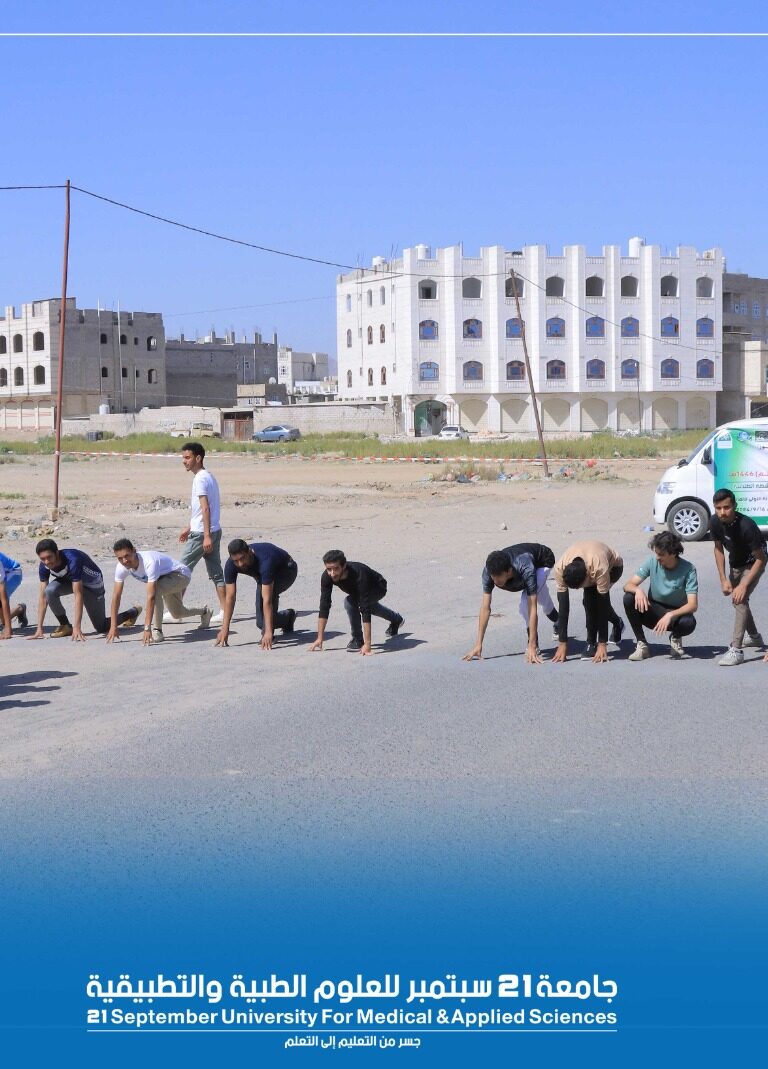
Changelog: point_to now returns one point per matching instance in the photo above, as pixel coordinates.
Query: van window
(702, 443)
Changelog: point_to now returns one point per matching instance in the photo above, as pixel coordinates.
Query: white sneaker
(217, 619)
(755, 641)
(169, 618)
(676, 647)
(732, 657)
(641, 652)
(157, 635)
(205, 618)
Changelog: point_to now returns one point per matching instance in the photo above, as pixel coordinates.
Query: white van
(733, 456)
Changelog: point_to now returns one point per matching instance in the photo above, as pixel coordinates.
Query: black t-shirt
(742, 538)
(363, 584)
(525, 558)
(267, 561)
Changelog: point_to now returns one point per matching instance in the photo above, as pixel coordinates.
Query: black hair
(46, 545)
(123, 543)
(334, 556)
(237, 545)
(667, 542)
(575, 573)
(498, 562)
(195, 448)
(723, 494)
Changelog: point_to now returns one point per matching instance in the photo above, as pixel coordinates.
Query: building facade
(209, 371)
(619, 342)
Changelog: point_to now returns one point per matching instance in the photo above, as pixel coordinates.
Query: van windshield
(700, 446)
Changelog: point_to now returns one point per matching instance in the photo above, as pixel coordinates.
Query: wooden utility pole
(62, 335)
(531, 387)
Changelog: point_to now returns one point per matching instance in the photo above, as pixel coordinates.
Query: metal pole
(530, 373)
(62, 332)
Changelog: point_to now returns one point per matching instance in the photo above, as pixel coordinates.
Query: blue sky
(345, 148)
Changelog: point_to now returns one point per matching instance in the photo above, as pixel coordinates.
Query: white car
(452, 433)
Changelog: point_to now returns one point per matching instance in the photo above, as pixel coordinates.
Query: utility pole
(62, 334)
(531, 387)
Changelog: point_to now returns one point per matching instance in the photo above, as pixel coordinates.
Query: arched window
(151, 343)
(669, 286)
(630, 327)
(670, 369)
(18, 343)
(152, 375)
(595, 327)
(595, 369)
(348, 303)
(3, 377)
(555, 286)
(370, 335)
(473, 328)
(382, 333)
(473, 371)
(630, 369)
(349, 380)
(104, 372)
(3, 345)
(514, 328)
(427, 290)
(369, 298)
(103, 339)
(628, 286)
(383, 376)
(38, 341)
(38, 375)
(705, 369)
(123, 339)
(18, 376)
(555, 369)
(428, 371)
(670, 327)
(704, 286)
(428, 330)
(705, 327)
(509, 287)
(349, 339)
(594, 287)
(556, 327)
(382, 295)
(370, 376)
(515, 370)
(471, 288)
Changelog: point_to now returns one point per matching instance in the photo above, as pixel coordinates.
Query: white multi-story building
(615, 342)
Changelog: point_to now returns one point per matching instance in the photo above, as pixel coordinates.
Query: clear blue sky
(345, 148)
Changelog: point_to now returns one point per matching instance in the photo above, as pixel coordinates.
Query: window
(124, 372)
(472, 328)
(105, 372)
(383, 295)
(514, 328)
(428, 371)
(705, 369)
(473, 371)
(18, 376)
(427, 290)
(669, 286)
(556, 327)
(370, 335)
(630, 327)
(555, 369)
(382, 333)
(471, 288)
(348, 303)
(38, 375)
(509, 287)
(152, 376)
(123, 339)
(705, 287)
(18, 343)
(705, 328)
(515, 371)
(38, 341)
(3, 377)
(756, 310)
(369, 298)
(151, 343)
(135, 341)
(370, 376)
(670, 369)
(383, 376)
(630, 369)
(103, 339)
(349, 380)
(349, 339)
(595, 327)
(670, 327)
(594, 286)
(555, 286)
(3, 345)
(595, 369)
(628, 286)
(428, 330)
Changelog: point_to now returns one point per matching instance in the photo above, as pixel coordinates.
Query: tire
(689, 520)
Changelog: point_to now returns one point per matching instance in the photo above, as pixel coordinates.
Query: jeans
(356, 620)
(284, 579)
(681, 625)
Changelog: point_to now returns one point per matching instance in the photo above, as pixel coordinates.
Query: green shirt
(670, 586)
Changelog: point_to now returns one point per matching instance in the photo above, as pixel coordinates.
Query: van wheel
(688, 520)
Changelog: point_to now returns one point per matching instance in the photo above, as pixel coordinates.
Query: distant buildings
(208, 372)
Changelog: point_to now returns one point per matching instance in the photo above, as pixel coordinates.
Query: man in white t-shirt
(166, 580)
(202, 538)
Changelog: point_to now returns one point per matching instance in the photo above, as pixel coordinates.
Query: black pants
(592, 607)
(93, 603)
(681, 626)
(284, 579)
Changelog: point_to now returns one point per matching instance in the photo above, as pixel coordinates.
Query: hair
(723, 495)
(46, 545)
(498, 562)
(123, 543)
(194, 448)
(334, 556)
(667, 542)
(575, 573)
(237, 545)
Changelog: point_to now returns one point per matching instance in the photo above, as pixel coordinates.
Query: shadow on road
(24, 683)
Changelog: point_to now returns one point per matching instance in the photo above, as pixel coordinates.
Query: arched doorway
(428, 418)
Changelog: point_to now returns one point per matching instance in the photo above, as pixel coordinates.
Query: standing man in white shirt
(202, 538)
(166, 580)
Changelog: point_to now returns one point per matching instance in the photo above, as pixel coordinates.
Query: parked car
(452, 433)
(195, 430)
(278, 432)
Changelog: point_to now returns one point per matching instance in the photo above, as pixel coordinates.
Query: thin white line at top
(393, 33)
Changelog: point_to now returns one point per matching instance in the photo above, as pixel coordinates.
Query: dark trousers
(93, 603)
(284, 579)
(681, 626)
(356, 619)
(592, 607)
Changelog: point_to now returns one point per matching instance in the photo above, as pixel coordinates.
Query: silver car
(278, 432)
